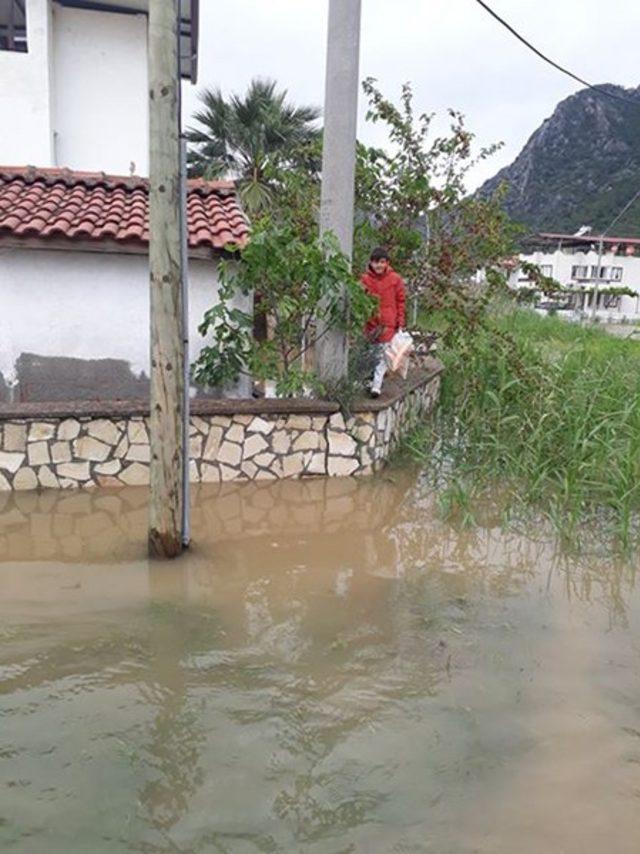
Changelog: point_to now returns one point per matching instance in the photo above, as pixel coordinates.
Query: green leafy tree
(542, 284)
(300, 281)
(450, 247)
(247, 137)
(412, 198)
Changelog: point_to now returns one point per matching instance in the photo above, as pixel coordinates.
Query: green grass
(560, 437)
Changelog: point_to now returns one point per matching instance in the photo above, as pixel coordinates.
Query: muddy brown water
(330, 669)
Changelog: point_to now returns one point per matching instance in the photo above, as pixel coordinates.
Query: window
(579, 272)
(13, 25)
(610, 300)
(546, 269)
(609, 274)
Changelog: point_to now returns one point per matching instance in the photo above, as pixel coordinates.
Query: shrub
(300, 281)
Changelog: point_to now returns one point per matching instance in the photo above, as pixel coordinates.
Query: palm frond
(241, 135)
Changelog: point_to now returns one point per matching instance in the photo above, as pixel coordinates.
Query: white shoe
(374, 392)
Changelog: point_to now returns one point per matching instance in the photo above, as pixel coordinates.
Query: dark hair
(379, 254)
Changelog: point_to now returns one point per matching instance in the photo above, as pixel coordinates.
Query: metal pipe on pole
(339, 159)
(184, 281)
(167, 433)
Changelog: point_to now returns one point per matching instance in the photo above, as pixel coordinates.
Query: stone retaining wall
(89, 450)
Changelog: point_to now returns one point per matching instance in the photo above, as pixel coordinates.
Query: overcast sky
(451, 50)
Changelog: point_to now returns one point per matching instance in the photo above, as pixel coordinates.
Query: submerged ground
(332, 668)
(545, 412)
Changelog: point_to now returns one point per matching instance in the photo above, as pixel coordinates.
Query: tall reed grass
(561, 436)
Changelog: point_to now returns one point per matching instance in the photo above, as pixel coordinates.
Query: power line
(551, 62)
(621, 214)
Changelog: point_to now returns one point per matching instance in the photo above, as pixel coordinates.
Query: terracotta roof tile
(54, 203)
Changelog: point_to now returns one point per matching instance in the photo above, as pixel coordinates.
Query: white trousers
(380, 368)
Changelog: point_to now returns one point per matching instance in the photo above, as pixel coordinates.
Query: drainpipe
(184, 282)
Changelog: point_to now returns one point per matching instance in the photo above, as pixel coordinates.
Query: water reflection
(331, 668)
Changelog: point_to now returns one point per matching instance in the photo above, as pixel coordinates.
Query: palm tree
(246, 137)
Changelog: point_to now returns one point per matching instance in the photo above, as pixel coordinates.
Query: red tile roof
(92, 206)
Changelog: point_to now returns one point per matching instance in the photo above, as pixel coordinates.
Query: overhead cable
(551, 62)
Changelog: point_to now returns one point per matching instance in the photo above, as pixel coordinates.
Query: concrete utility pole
(614, 221)
(339, 158)
(167, 320)
(596, 290)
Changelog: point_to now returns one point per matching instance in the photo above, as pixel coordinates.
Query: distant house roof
(587, 238)
(91, 210)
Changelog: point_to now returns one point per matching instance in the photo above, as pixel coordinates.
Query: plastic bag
(397, 353)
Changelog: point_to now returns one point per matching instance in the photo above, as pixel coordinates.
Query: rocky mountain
(580, 167)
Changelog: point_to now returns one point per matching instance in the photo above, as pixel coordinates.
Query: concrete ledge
(394, 390)
(88, 445)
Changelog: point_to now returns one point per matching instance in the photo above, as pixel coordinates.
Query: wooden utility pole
(339, 158)
(167, 334)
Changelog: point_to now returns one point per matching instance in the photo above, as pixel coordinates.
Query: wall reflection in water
(330, 667)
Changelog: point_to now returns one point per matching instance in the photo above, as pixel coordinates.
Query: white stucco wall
(87, 305)
(562, 262)
(25, 94)
(100, 91)
(78, 97)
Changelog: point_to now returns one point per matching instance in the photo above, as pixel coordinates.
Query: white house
(74, 305)
(572, 260)
(73, 81)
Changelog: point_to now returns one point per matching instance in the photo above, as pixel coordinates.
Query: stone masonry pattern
(84, 452)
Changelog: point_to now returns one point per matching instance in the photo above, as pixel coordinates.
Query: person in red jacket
(381, 281)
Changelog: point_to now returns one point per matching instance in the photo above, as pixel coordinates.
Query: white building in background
(74, 289)
(572, 260)
(73, 82)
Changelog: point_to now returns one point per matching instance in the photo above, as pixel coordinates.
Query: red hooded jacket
(389, 289)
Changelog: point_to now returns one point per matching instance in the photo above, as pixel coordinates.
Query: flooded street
(330, 669)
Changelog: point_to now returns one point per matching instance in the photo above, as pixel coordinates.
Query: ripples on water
(330, 669)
